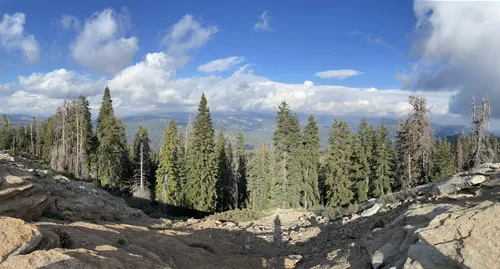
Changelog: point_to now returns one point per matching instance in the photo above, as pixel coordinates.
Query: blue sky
(155, 55)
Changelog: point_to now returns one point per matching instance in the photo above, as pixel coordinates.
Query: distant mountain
(24, 119)
(257, 126)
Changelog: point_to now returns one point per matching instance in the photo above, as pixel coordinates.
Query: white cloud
(151, 86)
(459, 49)
(101, 44)
(263, 23)
(308, 83)
(185, 36)
(69, 22)
(22, 102)
(338, 74)
(61, 83)
(221, 65)
(13, 37)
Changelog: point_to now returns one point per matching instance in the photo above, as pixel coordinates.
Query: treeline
(200, 170)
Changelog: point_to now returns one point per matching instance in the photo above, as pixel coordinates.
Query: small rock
(292, 260)
(383, 255)
(372, 210)
(248, 247)
(230, 224)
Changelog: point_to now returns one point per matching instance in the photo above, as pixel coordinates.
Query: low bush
(53, 215)
(121, 240)
(202, 246)
(238, 215)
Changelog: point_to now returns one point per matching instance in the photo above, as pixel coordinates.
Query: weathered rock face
(22, 199)
(17, 237)
(26, 192)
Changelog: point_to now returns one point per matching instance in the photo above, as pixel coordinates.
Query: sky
(360, 58)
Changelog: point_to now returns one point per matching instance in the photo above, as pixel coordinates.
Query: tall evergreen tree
(224, 185)
(443, 160)
(6, 132)
(310, 163)
(336, 171)
(259, 178)
(202, 167)
(359, 170)
(169, 178)
(240, 163)
(285, 189)
(141, 161)
(382, 163)
(112, 152)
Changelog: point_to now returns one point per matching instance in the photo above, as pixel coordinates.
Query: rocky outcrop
(27, 191)
(17, 237)
(22, 199)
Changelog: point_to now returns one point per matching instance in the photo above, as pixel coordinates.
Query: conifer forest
(212, 171)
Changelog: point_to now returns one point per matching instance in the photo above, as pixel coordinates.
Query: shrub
(238, 215)
(332, 213)
(163, 226)
(121, 240)
(53, 215)
(202, 246)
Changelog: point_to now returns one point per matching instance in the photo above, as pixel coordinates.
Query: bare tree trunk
(142, 169)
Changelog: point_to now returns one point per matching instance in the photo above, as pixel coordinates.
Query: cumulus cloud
(185, 36)
(69, 22)
(338, 74)
(151, 86)
(101, 45)
(61, 83)
(263, 23)
(458, 48)
(221, 65)
(13, 37)
(22, 102)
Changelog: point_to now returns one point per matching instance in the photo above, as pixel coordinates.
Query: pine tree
(460, 156)
(492, 144)
(443, 160)
(285, 189)
(240, 163)
(359, 171)
(382, 163)
(225, 198)
(142, 165)
(202, 167)
(259, 178)
(48, 138)
(415, 145)
(336, 169)
(310, 166)
(112, 153)
(6, 132)
(169, 179)
(478, 153)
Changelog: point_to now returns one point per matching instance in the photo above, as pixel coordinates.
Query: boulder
(383, 255)
(457, 183)
(291, 260)
(17, 237)
(372, 210)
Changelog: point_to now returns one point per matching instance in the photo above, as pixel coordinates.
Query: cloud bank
(458, 49)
